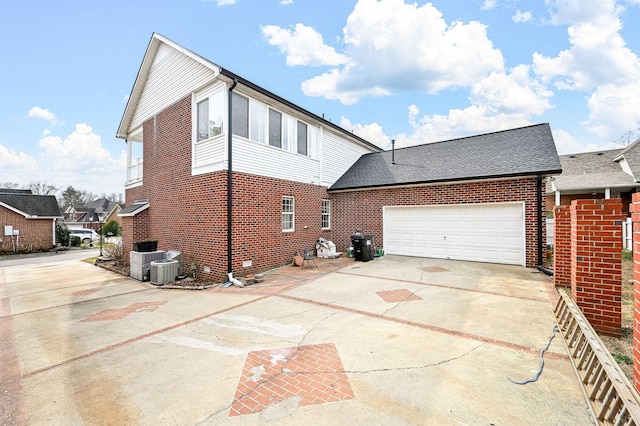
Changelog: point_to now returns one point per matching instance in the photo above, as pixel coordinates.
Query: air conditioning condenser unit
(164, 271)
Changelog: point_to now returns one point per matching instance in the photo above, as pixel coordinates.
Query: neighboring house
(93, 215)
(477, 198)
(591, 175)
(27, 221)
(235, 177)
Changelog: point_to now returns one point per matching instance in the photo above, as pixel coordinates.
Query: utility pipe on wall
(230, 179)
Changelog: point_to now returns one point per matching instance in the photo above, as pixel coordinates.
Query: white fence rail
(627, 233)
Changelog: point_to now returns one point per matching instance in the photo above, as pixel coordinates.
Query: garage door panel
(485, 232)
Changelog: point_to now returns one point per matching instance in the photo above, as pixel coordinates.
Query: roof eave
(454, 180)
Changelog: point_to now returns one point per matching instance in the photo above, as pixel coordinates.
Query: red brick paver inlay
(116, 314)
(314, 374)
(85, 292)
(395, 296)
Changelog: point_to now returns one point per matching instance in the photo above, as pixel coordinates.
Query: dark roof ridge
(471, 136)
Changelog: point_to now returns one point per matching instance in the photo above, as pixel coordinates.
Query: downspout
(230, 179)
(541, 267)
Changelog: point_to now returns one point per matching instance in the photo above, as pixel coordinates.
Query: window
(326, 214)
(302, 138)
(240, 115)
(288, 208)
(254, 120)
(275, 128)
(209, 116)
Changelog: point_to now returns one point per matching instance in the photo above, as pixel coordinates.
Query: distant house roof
(589, 171)
(30, 205)
(523, 151)
(92, 211)
(138, 206)
(631, 156)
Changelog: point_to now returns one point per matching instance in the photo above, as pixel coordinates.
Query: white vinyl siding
(492, 232)
(172, 75)
(337, 156)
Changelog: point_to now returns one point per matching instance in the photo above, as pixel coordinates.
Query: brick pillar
(562, 246)
(634, 209)
(596, 262)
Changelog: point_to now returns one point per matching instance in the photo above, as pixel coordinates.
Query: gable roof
(29, 205)
(631, 156)
(92, 210)
(138, 206)
(589, 171)
(157, 40)
(523, 151)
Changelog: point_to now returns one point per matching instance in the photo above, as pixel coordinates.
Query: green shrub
(627, 254)
(112, 227)
(75, 241)
(62, 234)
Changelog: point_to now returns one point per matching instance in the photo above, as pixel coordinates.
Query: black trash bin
(362, 247)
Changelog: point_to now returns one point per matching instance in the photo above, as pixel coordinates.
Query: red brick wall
(363, 209)
(562, 246)
(635, 217)
(596, 262)
(35, 234)
(189, 213)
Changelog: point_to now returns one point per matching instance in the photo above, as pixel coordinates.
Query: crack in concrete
(265, 382)
(412, 293)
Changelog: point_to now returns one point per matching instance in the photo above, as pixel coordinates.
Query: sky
(415, 72)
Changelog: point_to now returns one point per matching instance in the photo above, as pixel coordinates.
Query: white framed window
(288, 214)
(326, 214)
(210, 115)
(256, 121)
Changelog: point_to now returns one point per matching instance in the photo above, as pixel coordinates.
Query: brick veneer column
(562, 246)
(634, 209)
(596, 262)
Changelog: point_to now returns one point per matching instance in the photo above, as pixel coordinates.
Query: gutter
(541, 267)
(230, 179)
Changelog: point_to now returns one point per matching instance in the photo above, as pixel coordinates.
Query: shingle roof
(632, 155)
(592, 170)
(135, 208)
(517, 152)
(31, 205)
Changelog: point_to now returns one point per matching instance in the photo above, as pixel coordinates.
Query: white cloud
(522, 16)
(566, 144)
(597, 62)
(81, 161)
(393, 47)
(43, 114)
(11, 162)
(302, 46)
(225, 2)
(286, 2)
(489, 4)
(370, 132)
(512, 93)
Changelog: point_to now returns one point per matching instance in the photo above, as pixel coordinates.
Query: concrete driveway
(392, 341)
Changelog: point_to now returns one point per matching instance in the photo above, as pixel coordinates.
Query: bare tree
(9, 185)
(43, 188)
(71, 197)
(628, 137)
(118, 198)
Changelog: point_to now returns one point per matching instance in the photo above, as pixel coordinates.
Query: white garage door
(491, 232)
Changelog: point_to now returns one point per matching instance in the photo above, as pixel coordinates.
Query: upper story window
(210, 113)
(256, 121)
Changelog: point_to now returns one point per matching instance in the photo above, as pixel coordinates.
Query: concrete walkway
(393, 341)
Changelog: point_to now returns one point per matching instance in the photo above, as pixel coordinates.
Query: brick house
(478, 198)
(239, 179)
(27, 221)
(234, 176)
(93, 214)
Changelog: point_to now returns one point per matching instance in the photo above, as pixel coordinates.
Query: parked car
(86, 235)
